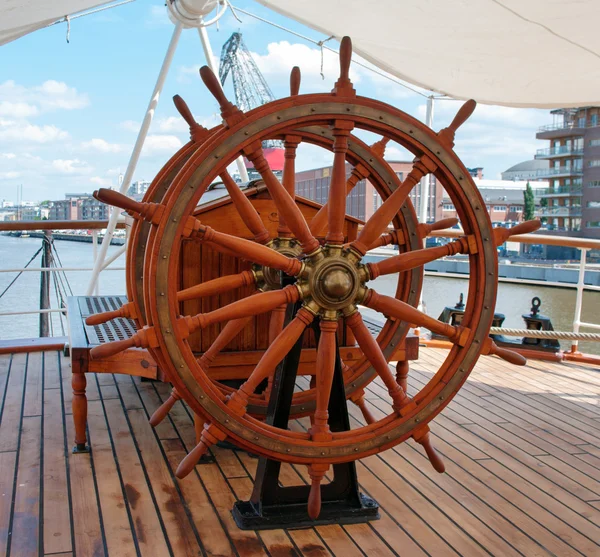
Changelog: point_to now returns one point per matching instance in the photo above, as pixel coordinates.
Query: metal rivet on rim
(288, 450)
(180, 365)
(322, 453)
(355, 449)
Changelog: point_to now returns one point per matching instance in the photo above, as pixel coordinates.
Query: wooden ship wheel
(311, 276)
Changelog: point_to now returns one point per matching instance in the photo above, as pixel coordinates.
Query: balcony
(560, 151)
(563, 191)
(570, 211)
(559, 171)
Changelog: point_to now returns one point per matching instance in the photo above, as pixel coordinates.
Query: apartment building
(572, 205)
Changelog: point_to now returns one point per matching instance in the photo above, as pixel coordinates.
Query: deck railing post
(579, 298)
(95, 258)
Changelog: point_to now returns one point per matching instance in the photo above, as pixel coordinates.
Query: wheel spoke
(275, 327)
(227, 334)
(374, 354)
(417, 258)
(217, 286)
(405, 312)
(359, 172)
(252, 305)
(380, 220)
(276, 352)
(251, 251)
(254, 153)
(246, 210)
(290, 143)
(336, 207)
(283, 200)
(325, 368)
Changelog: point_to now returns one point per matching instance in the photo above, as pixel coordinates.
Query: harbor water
(438, 292)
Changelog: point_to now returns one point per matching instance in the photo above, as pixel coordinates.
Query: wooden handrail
(545, 239)
(56, 225)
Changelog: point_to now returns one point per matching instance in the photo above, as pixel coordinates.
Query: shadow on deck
(521, 445)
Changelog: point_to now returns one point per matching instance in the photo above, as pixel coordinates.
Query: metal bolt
(227, 421)
(162, 293)
(355, 449)
(164, 256)
(180, 365)
(168, 331)
(322, 453)
(256, 438)
(288, 450)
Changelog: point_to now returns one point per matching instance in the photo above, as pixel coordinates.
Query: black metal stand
(273, 506)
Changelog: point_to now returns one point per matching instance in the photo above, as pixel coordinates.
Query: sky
(70, 112)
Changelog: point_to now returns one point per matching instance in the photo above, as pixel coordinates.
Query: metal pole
(135, 155)
(45, 284)
(426, 180)
(95, 258)
(210, 60)
(579, 298)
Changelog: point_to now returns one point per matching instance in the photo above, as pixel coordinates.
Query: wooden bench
(83, 337)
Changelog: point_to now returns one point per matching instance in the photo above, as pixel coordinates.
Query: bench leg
(79, 405)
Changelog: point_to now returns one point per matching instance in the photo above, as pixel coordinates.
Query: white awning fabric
(19, 17)
(522, 53)
(526, 53)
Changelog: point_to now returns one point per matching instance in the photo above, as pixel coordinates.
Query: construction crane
(250, 89)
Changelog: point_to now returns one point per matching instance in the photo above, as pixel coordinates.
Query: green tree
(529, 202)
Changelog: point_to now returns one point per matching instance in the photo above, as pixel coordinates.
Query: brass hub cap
(268, 278)
(332, 282)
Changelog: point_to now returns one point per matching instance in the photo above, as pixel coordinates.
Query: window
(499, 207)
(593, 204)
(594, 184)
(592, 224)
(594, 162)
(594, 142)
(400, 175)
(448, 207)
(516, 208)
(581, 122)
(594, 120)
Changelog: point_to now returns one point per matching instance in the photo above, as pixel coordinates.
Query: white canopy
(19, 17)
(528, 53)
(533, 53)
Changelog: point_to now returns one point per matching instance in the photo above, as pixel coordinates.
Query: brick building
(364, 200)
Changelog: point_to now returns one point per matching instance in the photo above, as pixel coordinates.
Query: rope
(20, 273)
(320, 45)
(532, 333)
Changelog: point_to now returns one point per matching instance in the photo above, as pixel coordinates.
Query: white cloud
(17, 109)
(9, 175)
(49, 96)
(7, 156)
(103, 146)
(130, 126)
(158, 144)
(282, 56)
(104, 182)
(71, 166)
(11, 130)
(172, 124)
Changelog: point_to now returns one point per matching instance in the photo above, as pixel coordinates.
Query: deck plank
(56, 503)
(522, 451)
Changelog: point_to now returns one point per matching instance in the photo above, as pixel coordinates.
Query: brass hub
(337, 283)
(332, 282)
(268, 278)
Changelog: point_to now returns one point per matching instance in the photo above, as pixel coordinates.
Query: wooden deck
(522, 449)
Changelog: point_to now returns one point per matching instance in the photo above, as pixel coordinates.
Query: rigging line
(60, 302)
(62, 266)
(316, 43)
(29, 262)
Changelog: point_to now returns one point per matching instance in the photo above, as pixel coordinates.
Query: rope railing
(532, 333)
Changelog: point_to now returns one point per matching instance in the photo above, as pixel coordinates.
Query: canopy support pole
(135, 155)
(426, 180)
